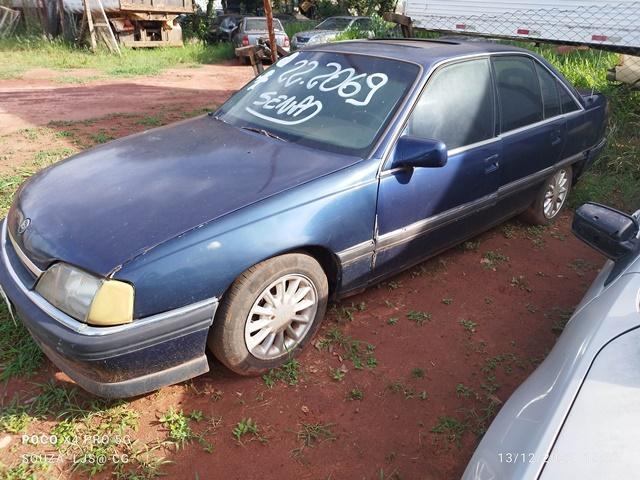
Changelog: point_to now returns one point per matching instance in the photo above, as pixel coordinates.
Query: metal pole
(272, 34)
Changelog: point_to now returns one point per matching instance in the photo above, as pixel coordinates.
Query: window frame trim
(497, 93)
(494, 106)
(384, 166)
(539, 67)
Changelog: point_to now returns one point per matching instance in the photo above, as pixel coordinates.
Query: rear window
(260, 24)
(334, 23)
(518, 91)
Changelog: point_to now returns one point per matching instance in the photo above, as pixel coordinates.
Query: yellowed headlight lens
(112, 305)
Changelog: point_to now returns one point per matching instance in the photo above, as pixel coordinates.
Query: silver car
(578, 415)
(252, 29)
(329, 29)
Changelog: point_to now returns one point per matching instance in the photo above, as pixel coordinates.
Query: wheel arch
(327, 260)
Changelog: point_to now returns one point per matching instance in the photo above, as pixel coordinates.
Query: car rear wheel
(551, 198)
(269, 313)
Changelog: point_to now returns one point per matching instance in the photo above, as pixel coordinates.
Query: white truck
(610, 25)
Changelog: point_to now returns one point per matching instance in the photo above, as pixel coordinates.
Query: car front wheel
(550, 198)
(269, 313)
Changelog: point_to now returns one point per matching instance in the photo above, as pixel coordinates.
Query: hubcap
(556, 194)
(281, 317)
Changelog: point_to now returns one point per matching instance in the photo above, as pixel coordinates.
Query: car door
(532, 128)
(424, 210)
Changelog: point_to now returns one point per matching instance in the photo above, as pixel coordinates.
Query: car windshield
(260, 25)
(335, 102)
(334, 23)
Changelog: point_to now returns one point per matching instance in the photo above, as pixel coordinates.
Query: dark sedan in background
(340, 165)
(222, 27)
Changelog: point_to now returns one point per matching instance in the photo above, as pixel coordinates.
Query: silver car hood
(599, 437)
(317, 33)
(523, 433)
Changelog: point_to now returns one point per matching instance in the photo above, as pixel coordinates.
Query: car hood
(317, 33)
(107, 205)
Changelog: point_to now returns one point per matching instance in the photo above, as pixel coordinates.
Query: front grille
(26, 262)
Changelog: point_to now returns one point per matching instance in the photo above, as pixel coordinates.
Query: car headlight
(90, 299)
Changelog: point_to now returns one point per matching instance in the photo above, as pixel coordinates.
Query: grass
(25, 471)
(355, 394)
(311, 433)
(247, 427)
(338, 374)
(23, 53)
(492, 259)
(468, 325)
(19, 355)
(419, 317)
(359, 353)
(14, 418)
(451, 429)
(177, 425)
(288, 373)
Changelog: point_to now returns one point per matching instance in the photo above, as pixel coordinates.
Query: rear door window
(550, 97)
(454, 109)
(518, 91)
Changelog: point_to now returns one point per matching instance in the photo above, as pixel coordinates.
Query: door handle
(492, 163)
(556, 138)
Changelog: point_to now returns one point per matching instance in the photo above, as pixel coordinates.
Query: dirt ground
(437, 350)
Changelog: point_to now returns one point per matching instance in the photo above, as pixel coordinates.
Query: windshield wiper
(264, 132)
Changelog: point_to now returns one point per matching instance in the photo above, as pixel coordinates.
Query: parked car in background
(253, 29)
(577, 415)
(337, 167)
(222, 27)
(328, 30)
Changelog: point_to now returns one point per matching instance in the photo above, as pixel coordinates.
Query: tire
(236, 323)
(555, 189)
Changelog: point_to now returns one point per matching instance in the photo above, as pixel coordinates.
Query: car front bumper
(112, 362)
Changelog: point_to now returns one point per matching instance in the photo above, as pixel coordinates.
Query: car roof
(349, 17)
(257, 18)
(422, 51)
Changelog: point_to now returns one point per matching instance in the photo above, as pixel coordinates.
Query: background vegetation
(19, 54)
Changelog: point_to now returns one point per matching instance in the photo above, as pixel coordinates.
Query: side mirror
(612, 233)
(417, 152)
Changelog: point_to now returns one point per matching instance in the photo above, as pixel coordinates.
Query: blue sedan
(339, 166)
